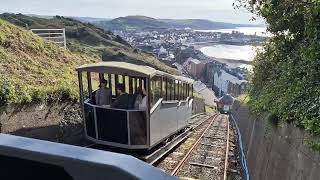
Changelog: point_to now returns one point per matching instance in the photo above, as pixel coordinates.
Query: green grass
(196, 94)
(244, 98)
(32, 69)
(209, 109)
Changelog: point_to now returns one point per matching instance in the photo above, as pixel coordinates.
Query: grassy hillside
(90, 40)
(33, 69)
(77, 33)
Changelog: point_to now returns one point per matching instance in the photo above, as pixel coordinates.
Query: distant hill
(148, 23)
(133, 23)
(201, 24)
(90, 40)
(81, 19)
(89, 19)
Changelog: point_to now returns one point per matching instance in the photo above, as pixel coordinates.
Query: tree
(286, 74)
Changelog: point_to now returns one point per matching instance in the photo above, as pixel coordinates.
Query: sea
(235, 52)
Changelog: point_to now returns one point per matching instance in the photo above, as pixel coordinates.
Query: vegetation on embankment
(286, 74)
(243, 99)
(88, 39)
(32, 69)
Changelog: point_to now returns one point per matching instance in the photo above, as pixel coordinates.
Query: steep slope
(32, 69)
(88, 39)
(76, 31)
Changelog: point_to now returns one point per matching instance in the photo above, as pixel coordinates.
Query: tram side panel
(167, 119)
(182, 112)
(163, 122)
(188, 113)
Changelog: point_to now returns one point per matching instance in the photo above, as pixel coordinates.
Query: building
(163, 53)
(225, 83)
(195, 67)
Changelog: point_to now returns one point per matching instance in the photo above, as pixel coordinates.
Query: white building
(222, 80)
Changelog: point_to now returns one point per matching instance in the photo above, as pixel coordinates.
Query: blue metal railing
(243, 157)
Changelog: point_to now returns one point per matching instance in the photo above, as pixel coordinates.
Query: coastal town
(180, 48)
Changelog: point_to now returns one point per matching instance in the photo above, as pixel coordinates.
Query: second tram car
(168, 109)
(225, 104)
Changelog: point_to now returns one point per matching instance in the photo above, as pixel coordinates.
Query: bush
(7, 92)
(286, 74)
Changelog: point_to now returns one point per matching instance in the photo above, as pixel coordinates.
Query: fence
(57, 36)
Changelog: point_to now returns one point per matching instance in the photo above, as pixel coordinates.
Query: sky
(216, 10)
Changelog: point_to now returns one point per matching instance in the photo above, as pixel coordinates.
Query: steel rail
(195, 127)
(177, 168)
(163, 151)
(227, 154)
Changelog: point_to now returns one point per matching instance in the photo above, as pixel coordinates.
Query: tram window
(183, 91)
(169, 89)
(137, 83)
(182, 87)
(134, 85)
(143, 84)
(85, 86)
(95, 81)
(126, 83)
(172, 89)
(164, 87)
(120, 79)
(178, 90)
(130, 85)
(112, 83)
(155, 90)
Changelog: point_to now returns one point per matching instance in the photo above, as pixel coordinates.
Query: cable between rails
(243, 157)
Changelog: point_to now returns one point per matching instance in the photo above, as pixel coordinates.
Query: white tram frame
(168, 115)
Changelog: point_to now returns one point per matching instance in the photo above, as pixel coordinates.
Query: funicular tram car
(168, 111)
(225, 104)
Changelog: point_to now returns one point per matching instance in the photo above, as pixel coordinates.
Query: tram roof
(114, 67)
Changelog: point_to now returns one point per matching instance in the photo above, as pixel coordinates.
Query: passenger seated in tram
(103, 95)
(122, 101)
(141, 100)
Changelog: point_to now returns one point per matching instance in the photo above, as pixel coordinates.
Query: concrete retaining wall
(198, 106)
(275, 153)
(57, 122)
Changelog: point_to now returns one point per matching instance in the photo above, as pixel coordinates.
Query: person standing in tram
(122, 101)
(103, 95)
(141, 100)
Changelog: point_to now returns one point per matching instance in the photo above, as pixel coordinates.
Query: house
(195, 67)
(225, 83)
